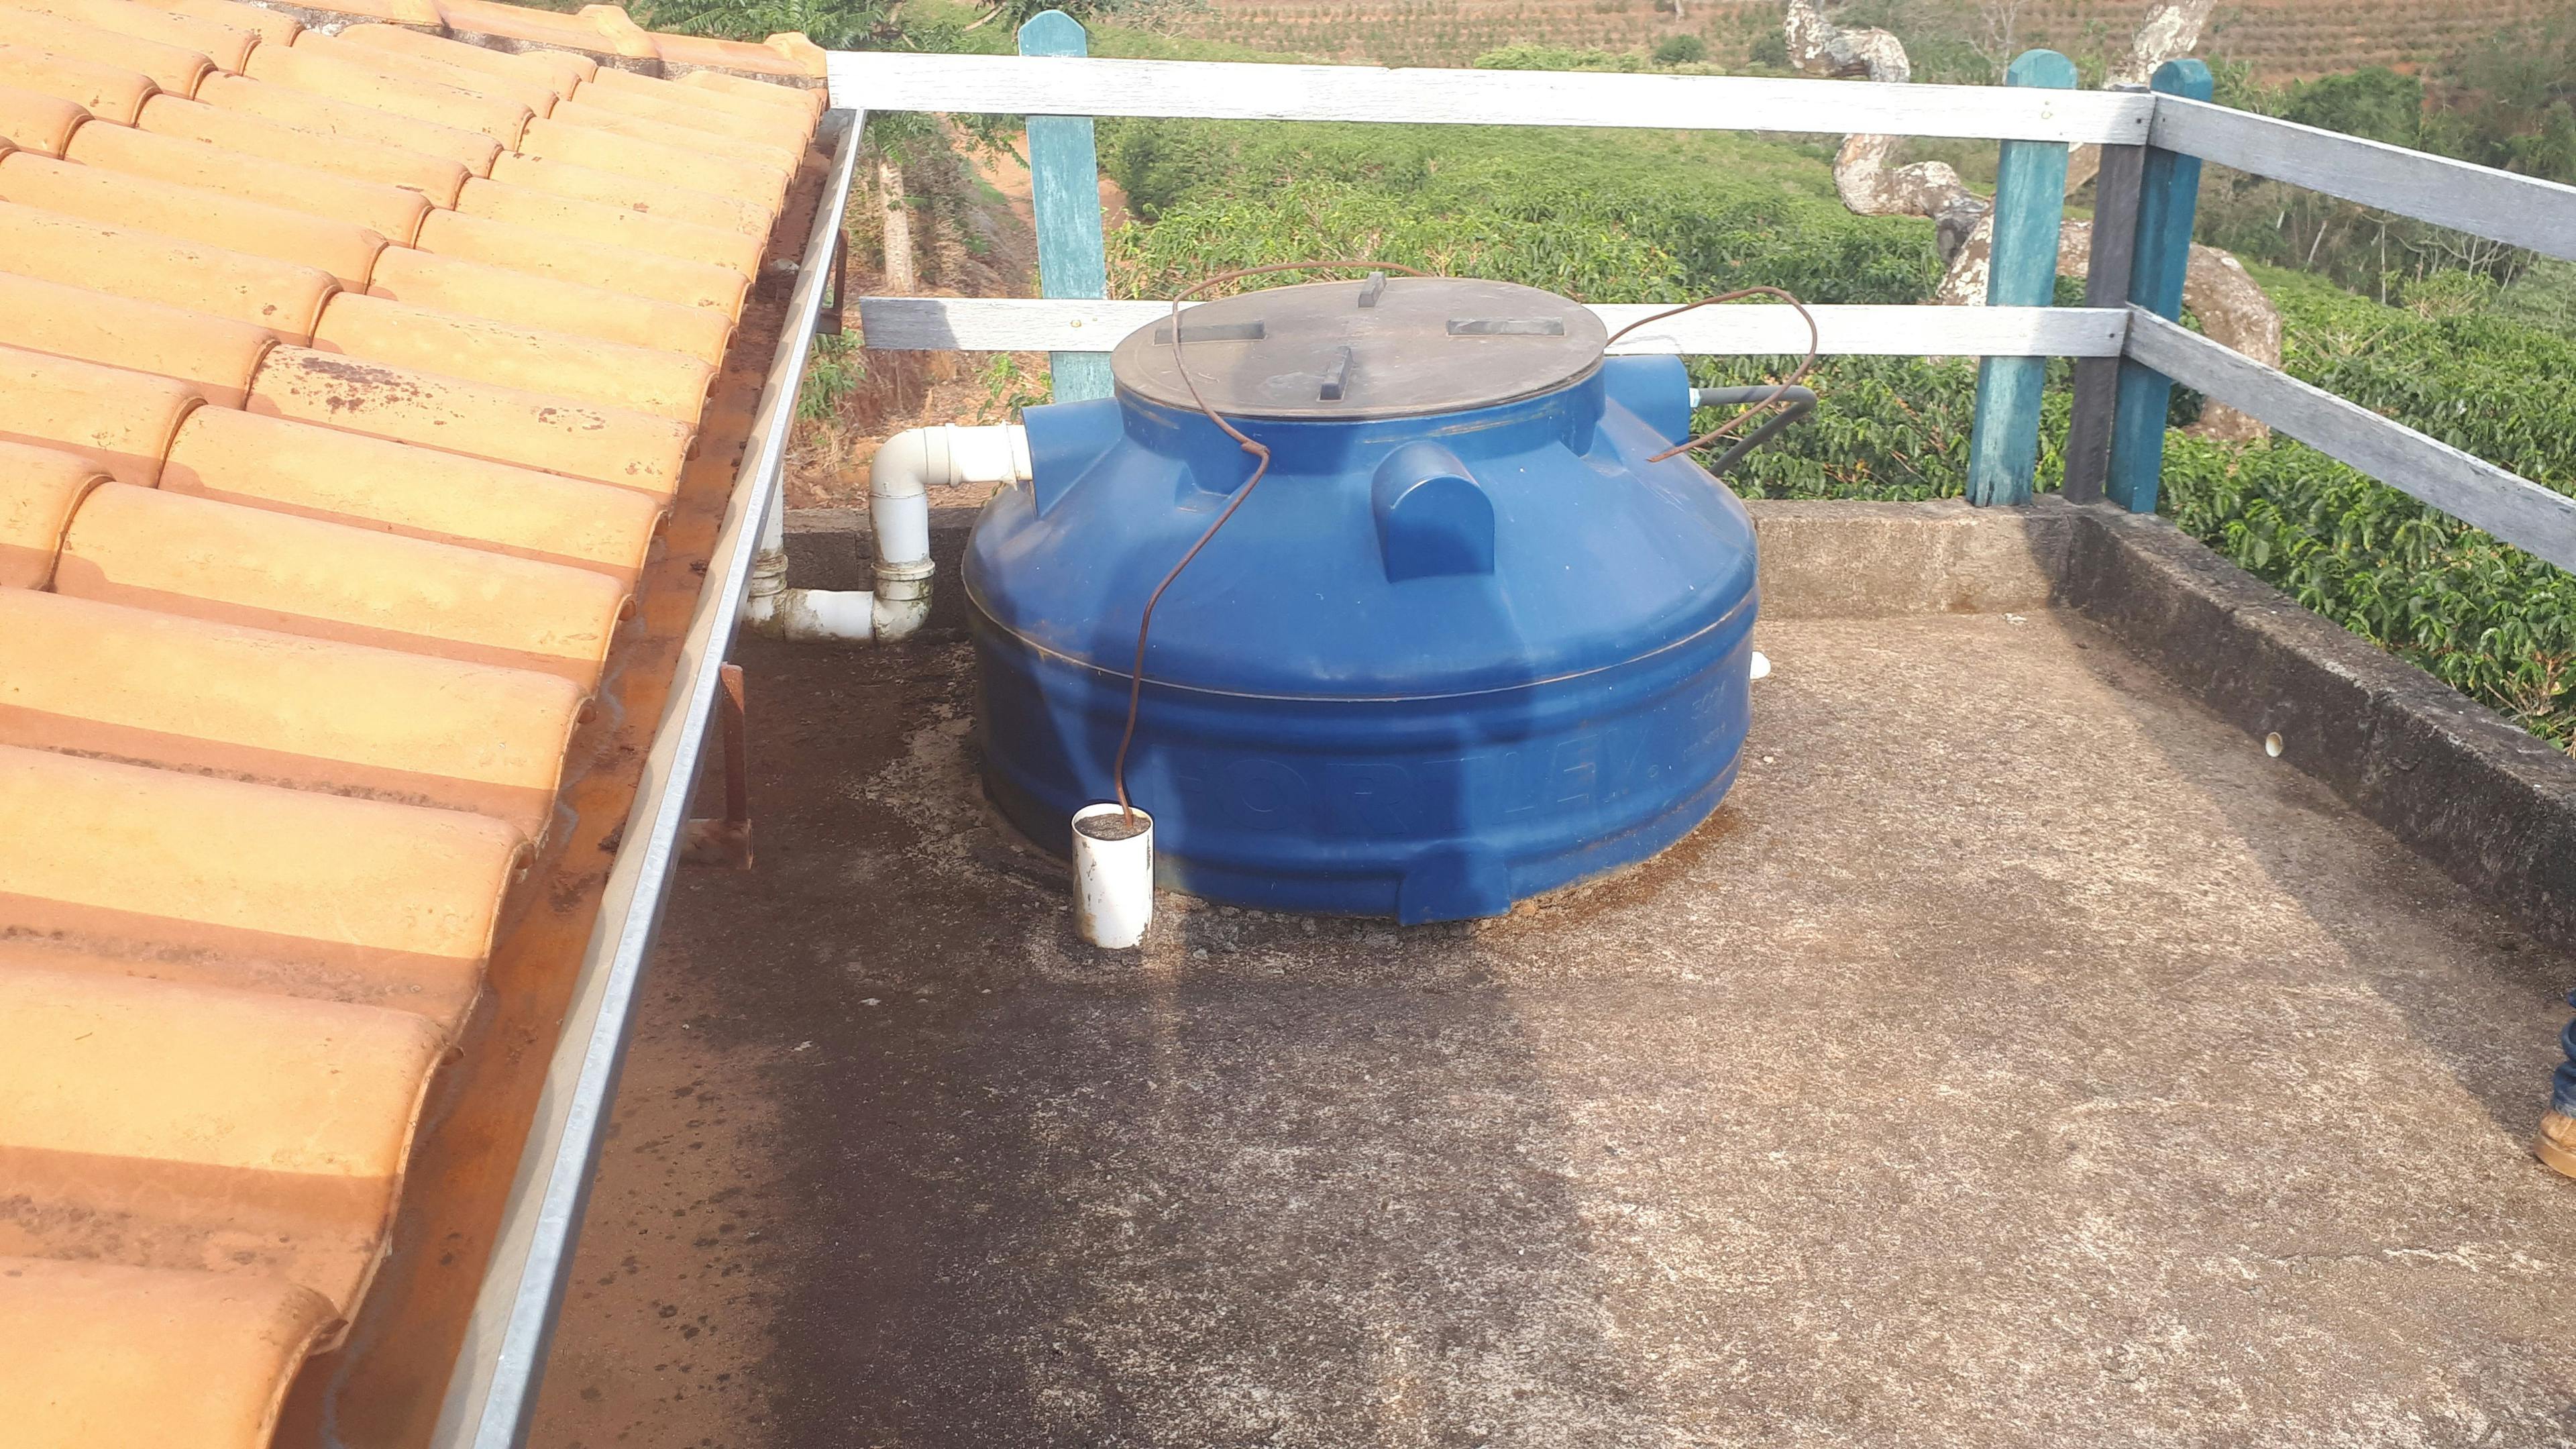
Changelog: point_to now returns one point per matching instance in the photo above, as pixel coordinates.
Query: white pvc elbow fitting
(899, 513)
(1113, 876)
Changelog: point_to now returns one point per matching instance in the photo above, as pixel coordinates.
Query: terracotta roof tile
(269, 25)
(149, 688)
(341, 12)
(434, 177)
(111, 945)
(39, 122)
(210, 560)
(306, 67)
(418, 492)
(767, 156)
(107, 1341)
(216, 355)
(151, 267)
(553, 140)
(649, 196)
(243, 132)
(785, 56)
(343, 249)
(735, 250)
(120, 420)
(455, 284)
(583, 263)
(559, 72)
(762, 93)
(395, 903)
(324, 1089)
(221, 356)
(602, 32)
(39, 489)
(112, 91)
(781, 128)
(325, 115)
(345, 382)
(245, 1126)
(506, 425)
(391, 212)
(528, 93)
(173, 68)
(225, 45)
(634, 379)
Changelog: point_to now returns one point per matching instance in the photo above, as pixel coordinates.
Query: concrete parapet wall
(1874, 560)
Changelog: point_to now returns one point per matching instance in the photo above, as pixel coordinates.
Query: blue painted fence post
(1064, 194)
(2168, 196)
(2030, 202)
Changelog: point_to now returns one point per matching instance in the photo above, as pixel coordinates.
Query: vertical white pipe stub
(1113, 875)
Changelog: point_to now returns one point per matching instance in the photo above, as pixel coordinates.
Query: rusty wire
(1145, 623)
(1815, 343)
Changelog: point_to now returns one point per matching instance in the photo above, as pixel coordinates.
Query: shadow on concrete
(2475, 991)
(1259, 1182)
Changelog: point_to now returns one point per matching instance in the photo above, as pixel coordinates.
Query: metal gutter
(492, 1390)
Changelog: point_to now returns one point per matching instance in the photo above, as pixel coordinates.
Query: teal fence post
(2168, 196)
(2030, 203)
(1064, 195)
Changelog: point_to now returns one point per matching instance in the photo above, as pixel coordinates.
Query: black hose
(1796, 403)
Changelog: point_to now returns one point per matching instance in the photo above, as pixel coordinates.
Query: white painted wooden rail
(1024, 324)
(2511, 507)
(1235, 90)
(2518, 210)
(2522, 210)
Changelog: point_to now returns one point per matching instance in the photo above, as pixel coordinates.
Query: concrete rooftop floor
(2018, 1057)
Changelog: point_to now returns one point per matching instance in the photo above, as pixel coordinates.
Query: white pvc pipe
(1113, 879)
(899, 514)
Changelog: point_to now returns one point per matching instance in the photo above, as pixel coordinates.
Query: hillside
(2280, 39)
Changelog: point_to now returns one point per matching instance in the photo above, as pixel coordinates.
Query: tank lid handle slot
(1337, 375)
(1211, 332)
(1372, 289)
(1507, 327)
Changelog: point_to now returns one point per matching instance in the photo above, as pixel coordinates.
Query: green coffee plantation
(1620, 218)
(2279, 39)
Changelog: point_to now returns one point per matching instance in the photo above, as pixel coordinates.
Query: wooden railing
(2128, 347)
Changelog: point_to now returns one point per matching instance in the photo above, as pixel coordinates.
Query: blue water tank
(1463, 644)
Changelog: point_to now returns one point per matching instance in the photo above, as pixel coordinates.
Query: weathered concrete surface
(1847, 560)
(2490, 803)
(2019, 1057)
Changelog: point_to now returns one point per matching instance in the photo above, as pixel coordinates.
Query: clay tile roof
(354, 360)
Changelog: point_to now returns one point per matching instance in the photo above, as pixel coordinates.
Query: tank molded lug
(1433, 518)
(1656, 389)
(1065, 439)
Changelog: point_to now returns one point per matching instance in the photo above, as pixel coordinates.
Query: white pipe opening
(899, 481)
(1113, 875)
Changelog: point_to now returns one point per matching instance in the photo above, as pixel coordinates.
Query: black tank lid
(1382, 347)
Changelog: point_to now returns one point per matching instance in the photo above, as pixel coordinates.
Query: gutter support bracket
(725, 842)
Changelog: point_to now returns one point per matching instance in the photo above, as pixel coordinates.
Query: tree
(2509, 101)
(2232, 309)
(895, 139)
(831, 24)
(1998, 33)
(1862, 176)
(1681, 50)
(2169, 32)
